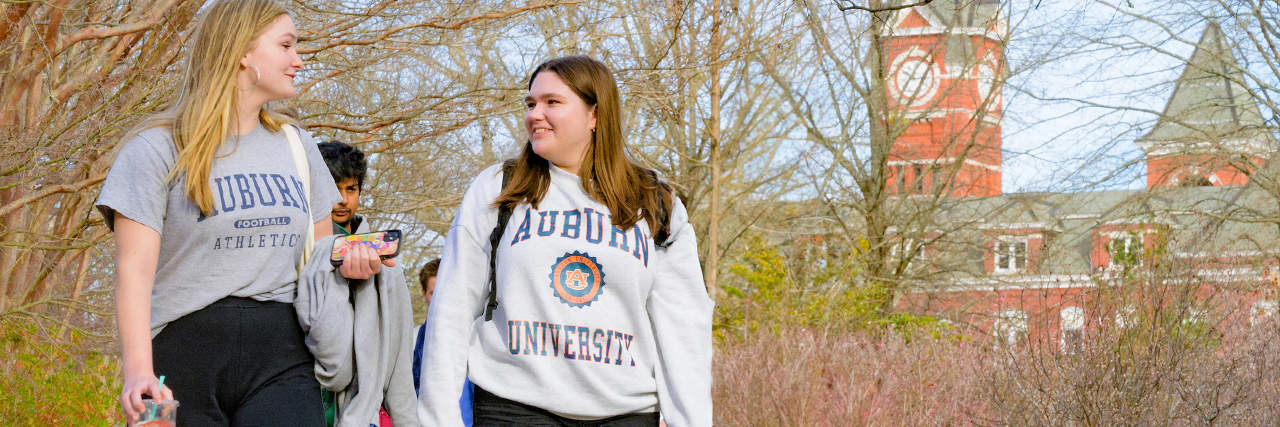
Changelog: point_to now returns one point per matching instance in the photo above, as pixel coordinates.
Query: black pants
(493, 411)
(239, 362)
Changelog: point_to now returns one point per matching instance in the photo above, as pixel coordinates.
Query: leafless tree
(76, 74)
(896, 216)
(698, 108)
(386, 75)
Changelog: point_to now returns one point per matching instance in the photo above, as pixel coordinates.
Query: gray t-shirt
(249, 246)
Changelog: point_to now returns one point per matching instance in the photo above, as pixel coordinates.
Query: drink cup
(158, 413)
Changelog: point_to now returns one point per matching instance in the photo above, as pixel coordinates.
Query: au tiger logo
(577, 279)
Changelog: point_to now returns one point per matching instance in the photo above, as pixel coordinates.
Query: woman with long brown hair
(211, 202)
(595, 312)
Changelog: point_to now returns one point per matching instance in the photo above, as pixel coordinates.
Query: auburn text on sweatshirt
(593, 321)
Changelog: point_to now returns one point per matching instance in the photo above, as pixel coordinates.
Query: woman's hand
(362, 262)
(135, 385)
(137, 252)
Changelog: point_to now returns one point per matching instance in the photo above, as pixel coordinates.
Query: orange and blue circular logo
(577, 279)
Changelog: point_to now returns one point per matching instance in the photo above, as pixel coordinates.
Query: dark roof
(956, 13)
(1211, 109)
(1194, 218)
(966, 13)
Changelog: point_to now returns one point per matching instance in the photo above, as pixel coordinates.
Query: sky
(1055, 145)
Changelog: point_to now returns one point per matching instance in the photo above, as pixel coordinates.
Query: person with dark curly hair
(348, 167)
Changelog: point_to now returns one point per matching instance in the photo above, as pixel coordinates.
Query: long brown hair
(201, 117)
(631, 192)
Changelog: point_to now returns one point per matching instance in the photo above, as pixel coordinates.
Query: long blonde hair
(201, 117)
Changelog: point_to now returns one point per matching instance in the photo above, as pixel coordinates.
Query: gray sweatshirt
(248, 246)
(361, 340)
(593, 321)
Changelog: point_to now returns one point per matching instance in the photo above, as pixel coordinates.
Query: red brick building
(943, 66)
(1032, 263)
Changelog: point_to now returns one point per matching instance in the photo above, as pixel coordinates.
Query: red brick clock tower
(945, 63)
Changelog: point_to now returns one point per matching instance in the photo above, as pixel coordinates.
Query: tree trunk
(713, 124)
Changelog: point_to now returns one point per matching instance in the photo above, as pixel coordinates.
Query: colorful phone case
(387, 243)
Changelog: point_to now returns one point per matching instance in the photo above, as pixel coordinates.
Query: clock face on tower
(914, 79)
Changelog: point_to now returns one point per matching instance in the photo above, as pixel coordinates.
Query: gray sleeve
(136, 186)
(326, 317)
(324, 192)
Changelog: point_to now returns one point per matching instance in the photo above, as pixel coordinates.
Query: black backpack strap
(504, 215)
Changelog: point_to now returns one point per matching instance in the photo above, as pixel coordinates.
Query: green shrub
(773, 294)
(55, 378)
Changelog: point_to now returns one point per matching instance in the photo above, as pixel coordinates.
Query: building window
(1072, 326)
(935, 177)
(918, 179)
(1010, 255)
(900, 179)
(1262, 312)
(1125, 250)
(1196, 316)
(1126, 317)
(906, 251)
(1011, 328)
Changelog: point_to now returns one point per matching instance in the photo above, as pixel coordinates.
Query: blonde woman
(210, 214)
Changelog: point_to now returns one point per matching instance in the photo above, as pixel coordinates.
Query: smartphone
(387, 243)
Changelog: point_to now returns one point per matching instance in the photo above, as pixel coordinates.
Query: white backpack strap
(304, 173)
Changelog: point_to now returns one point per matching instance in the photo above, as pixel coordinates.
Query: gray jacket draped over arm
(361, 336)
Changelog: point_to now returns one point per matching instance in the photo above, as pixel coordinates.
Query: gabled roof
(965, 13)
(958, 21)
(1211, 109)
(950, 13)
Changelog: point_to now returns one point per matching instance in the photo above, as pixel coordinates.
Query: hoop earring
(255, 81)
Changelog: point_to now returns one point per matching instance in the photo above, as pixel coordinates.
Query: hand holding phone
(386, 243)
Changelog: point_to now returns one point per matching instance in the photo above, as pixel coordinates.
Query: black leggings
(493, 411)
(239, 362)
